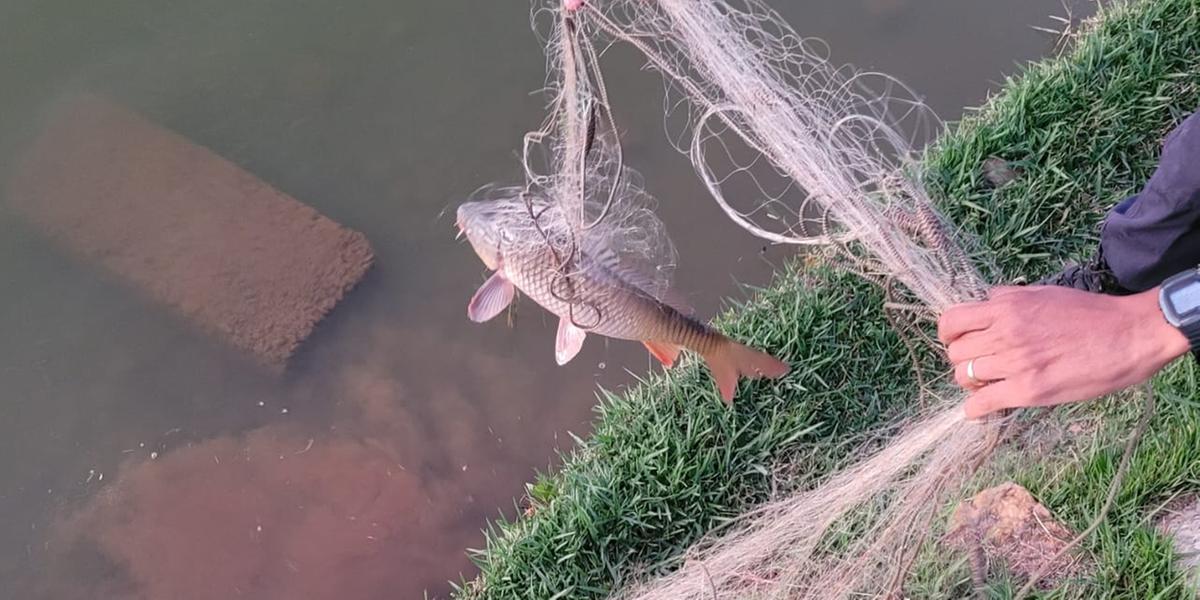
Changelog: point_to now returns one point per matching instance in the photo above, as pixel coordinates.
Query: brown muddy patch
(1005, 526)
(377, 504)
(270, 514)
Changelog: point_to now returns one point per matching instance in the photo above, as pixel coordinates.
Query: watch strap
(1192, 332)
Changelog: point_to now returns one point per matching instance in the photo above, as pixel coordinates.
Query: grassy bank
(667, 461)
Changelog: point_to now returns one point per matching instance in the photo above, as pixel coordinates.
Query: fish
(591, 290)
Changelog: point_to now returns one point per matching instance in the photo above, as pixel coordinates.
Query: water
(400, 428)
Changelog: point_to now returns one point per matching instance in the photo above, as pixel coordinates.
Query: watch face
(1186, 298)
(1181, 298)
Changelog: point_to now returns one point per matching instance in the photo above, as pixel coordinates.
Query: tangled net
(579, 197)
(826, 162)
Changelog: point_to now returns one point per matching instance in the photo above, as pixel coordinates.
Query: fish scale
(625, 311)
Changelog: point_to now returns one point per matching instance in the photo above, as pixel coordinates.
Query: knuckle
(1015, 334)
(1004, 334)
(945, 319)
(1021, 360)
(1008, 311)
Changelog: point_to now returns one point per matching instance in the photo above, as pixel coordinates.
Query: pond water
(142, 458)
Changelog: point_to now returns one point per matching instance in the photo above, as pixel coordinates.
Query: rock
(1005, 525)
(1179, 520)
(999, 172)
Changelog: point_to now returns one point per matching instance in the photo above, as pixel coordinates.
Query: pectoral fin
(568, 342)
(491, 298)
(666, 353)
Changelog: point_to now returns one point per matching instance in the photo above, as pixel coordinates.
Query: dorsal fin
(612, 262)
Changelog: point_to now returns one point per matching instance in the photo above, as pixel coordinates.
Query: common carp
(591, 290)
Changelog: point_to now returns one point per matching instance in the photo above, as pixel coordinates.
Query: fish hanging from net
(799, 151)
(581, 238)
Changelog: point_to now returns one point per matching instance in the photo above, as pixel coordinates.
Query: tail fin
(734, 360)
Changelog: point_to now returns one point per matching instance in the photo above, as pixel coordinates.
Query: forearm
(1162, 342)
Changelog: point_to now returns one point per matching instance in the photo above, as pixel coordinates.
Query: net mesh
(578, 196)
(829, 150)
(825, 155)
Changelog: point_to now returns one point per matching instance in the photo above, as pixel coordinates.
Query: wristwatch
(1179, 299)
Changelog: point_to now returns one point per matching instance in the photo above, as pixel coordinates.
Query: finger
(963, 381)
(986, 372)
(991, 398)
(972, 344)
(963, 318)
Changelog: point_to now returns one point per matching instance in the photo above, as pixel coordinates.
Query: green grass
(667, 461)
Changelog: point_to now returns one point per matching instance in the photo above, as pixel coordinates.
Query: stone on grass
(1005, 527)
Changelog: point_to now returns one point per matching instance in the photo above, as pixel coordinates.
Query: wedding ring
(971, 373)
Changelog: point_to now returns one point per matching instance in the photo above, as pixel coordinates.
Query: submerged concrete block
(189, 228)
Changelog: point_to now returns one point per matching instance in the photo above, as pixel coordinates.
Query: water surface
(400, 428)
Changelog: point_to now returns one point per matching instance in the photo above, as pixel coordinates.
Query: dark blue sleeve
(1156, 233)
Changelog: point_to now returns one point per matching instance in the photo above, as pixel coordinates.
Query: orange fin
(666, 353)
(734, 360)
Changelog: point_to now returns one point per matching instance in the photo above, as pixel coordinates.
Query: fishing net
(824, 155)
(829, 150)
(579, 197)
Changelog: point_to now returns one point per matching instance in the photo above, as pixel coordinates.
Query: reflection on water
(143, 459)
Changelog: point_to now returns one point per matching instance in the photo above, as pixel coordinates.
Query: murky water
(400, 428)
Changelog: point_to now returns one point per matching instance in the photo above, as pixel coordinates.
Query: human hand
(1045, 345)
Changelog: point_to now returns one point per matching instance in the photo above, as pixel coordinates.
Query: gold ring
(971, 373)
